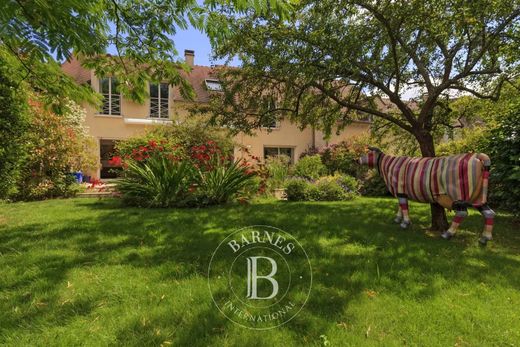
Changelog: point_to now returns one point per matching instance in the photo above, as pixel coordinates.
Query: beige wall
(286, 135)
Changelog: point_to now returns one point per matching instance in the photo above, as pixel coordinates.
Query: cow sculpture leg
(461, 212)
(403, 211)
(489, 216)
(399, 215)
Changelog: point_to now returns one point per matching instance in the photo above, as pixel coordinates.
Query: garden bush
(57, 145)
(296, 189)
(278, 169)
(504, 149)
(222, 181)
(327, 188)
(501, 141)
(187, 135)
(157, 182)
(310, 167)
(343, 158)
(334, 188)
(169, 175)
(373, 185)
(14, 122)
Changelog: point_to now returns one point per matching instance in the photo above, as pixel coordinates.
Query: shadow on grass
(353, 247)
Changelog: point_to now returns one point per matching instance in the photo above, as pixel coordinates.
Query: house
(120, 118)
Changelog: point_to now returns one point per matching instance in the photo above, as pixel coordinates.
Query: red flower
(115, 161)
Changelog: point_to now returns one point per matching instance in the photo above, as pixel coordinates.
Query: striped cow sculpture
(455, 182)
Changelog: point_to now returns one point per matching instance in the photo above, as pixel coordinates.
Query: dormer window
(213, 85)
(159, 100)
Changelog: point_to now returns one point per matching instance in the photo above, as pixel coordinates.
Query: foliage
(13, 124)
(158, 182)
(373, 185)
(504, 149)
(333, 188)
(343, 157)
(165, 174)
(40, 34)
(278, 168)
(326, 188)
(436, 46)
(490, 127)
(310, 167)
(178, 138)
(223, 181)
(296, 189)
(56, 145)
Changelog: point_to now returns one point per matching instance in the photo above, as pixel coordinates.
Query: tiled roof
(74, 69)
(197, 78)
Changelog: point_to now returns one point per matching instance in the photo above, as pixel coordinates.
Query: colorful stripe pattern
(462, 177)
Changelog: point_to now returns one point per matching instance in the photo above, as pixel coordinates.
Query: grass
(90, 272)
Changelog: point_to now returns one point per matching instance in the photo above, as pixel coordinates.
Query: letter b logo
(253, 277)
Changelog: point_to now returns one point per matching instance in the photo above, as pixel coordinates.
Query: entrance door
(107, 151)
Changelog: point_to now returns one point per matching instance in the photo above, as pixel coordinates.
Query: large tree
(335, 60)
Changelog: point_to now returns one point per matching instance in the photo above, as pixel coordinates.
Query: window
(213, 85)
(111, 97)
(270, 120)
(270, 123)
(276, 151)
(159, 100)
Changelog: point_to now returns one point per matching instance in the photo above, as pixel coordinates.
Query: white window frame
(275, 127)
(212, 80)
(276, 122)
(102, 113)
(159, 98)
(292, 148)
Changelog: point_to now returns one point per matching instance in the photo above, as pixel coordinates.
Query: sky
(195, 40)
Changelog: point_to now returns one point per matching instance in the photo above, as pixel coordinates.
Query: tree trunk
(439, 221)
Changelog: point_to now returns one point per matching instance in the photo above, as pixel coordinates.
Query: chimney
(189, 57)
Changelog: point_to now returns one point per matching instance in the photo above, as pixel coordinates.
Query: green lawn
(90, 272)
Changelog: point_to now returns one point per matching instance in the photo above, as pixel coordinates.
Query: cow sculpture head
(371, 158)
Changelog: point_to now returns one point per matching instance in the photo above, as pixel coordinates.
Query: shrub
(334, 188)
(373, 185)
(348, 183)
(158, 182)
(343, 157)
(56, 147)
(14, 123)
(278, 168)
(221, 182)
(328, 188)
(504, 150)
(156, 175)
(296, 189)
(310, 167)
(500, 140)
(330, 191)
(185, 136)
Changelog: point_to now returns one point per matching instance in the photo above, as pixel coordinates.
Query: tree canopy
(332, 60)
(35, 36)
